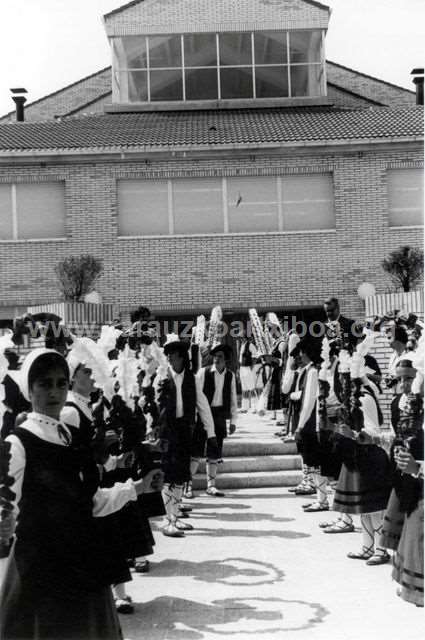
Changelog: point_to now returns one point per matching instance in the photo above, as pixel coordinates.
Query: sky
(48, 44)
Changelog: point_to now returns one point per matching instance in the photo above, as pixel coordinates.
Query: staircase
(254, 457)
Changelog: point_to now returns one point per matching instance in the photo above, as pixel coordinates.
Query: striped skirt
(367, 488)
(393, 524)
(408, 561)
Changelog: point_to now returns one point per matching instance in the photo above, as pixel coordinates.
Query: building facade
(222, 160)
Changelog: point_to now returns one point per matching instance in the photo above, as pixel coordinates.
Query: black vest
(246, 360)
(86, 429)
(209, 389)
(188, 396)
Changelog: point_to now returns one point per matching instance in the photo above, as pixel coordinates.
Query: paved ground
(258, 566)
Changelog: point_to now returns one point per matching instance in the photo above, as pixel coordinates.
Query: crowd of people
(99, 436)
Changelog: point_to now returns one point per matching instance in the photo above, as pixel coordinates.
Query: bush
(77, 276)
(405, 267)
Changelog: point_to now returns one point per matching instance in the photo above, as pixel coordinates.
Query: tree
(77, 276)
(405, 267)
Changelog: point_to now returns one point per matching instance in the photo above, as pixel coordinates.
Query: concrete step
(252, 479)
(253, 447)
(257, 463)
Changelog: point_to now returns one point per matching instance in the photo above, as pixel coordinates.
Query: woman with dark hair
(57, 584)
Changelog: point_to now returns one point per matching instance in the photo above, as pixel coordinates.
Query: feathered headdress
(325, 355)
(126, 373)
(108, 338)
(87, 352)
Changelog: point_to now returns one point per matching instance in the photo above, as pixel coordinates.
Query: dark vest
(86, 429)
(209, 389)
(246, 360)
(56, 541)
(188, 397)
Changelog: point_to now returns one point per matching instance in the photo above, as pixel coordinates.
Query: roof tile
(164, 130)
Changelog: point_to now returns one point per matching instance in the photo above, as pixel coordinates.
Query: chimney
(418, 80)
(19, 100)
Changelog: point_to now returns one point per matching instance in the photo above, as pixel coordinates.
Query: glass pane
(305, 46)
(130, 52)
(200, 50)
(271, 82)
(201, 84)
(166, 85)
(306, 80)
(165, 51)
(6, 221)
(41, 210)
(406, 197)
(270, 47)
(252, 204)
(197, 205)
(137, 85)
(236, 83)
(142, 207)
(235, 48)
(308, 202)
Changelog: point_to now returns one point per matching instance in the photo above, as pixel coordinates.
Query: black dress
(57, 586)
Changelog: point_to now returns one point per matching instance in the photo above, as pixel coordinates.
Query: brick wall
(174, 273)
(378, 90)
(179, 16)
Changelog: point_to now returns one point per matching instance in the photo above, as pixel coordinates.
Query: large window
(405, 197)
(211, 66)
(253, 204)
(31, 211)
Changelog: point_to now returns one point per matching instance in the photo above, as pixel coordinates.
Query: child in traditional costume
(247, 356)
(219, 386)
(364, 483)
(57, 585)
(179, 396)
(403, 529)
(306, 434)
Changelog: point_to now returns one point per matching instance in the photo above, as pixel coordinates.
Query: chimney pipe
(19, 100)
(418, 80)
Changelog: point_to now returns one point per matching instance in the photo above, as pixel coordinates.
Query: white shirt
(202, 406)
(217, 400)
(70, 415)
(310, 394)
(105, 501)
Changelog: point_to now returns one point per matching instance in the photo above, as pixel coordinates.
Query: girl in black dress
(57, 583)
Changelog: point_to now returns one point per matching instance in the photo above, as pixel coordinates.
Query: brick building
(222, 160)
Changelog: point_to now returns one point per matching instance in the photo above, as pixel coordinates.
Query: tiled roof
(126, 6)
(213, 129)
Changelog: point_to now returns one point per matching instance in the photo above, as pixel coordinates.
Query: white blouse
(105, 501)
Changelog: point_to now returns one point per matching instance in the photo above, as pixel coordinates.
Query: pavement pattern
(257, 566)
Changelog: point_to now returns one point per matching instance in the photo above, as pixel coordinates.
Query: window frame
(124, 99)
(14, 211)
(388, 170)
(225, 212)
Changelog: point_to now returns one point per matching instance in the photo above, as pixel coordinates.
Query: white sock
(194, 466)
(320, 483)
(119, 591)
(245, 404)
(211, 473)
(346, 518)
(367, 533)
